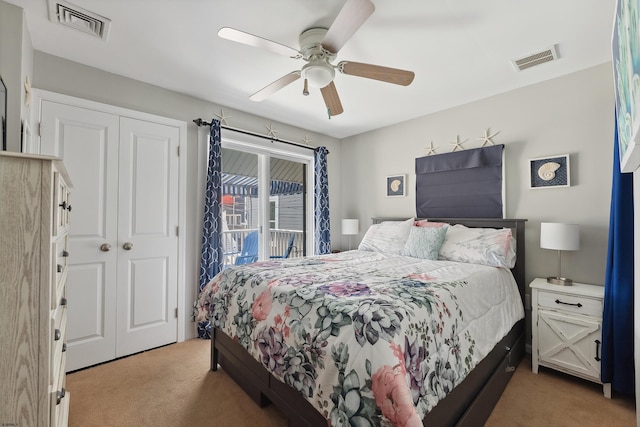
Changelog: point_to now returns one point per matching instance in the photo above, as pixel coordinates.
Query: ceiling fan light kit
(318, 73)
(319, 47)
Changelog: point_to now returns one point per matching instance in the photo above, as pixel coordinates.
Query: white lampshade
(350, 226)
(559, 236)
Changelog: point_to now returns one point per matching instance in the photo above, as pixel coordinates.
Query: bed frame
(469, 404)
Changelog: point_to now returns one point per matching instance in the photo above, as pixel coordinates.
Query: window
(266, 184)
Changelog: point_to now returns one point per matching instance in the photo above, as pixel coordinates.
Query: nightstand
(567, 329)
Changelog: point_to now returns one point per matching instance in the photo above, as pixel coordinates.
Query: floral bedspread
(369, 339)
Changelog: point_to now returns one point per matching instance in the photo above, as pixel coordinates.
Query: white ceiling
(459, 50)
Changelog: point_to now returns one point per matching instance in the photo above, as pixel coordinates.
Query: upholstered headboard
(461, 184)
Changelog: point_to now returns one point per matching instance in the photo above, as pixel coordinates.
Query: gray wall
(66, 77)
(567, 115)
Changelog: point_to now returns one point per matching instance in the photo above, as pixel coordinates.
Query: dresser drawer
(59, 402)
(60, 263)
(58, 346)
(62, 205)
(570, 303)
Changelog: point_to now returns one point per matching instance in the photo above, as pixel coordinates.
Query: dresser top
(575, 289)
(55, 160)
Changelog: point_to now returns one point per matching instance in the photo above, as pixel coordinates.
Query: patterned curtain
(617, 322)
(321, 202)
(212, 257)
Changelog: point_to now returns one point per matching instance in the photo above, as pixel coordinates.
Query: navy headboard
(461, 184)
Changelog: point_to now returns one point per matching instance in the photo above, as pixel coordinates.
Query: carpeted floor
(173, 387)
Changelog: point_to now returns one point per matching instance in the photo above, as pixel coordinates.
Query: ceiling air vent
(70, 15)
(547, 55)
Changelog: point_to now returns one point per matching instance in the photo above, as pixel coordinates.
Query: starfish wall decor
(457, 145)
(486, 139)
(271, 131)
(431, 149)
(306, 139)
(27, 92)
(222, 117)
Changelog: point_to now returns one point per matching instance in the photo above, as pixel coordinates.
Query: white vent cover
(547, 55)
(70, 15)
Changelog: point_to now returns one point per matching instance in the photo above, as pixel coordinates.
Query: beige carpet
(173, 387)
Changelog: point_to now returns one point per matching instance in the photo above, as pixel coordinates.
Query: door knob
(105, 247)
(127, 246)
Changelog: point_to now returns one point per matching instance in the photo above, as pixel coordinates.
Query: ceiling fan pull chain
(305, 89)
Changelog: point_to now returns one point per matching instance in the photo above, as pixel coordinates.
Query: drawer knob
(63, 205)
(57, 335)
(105, 247)
(568, 303)
(59, 268)
(597, 358)
(64, 347)
(63, 301)
(127, 246)
(69, 208)
(65, 254)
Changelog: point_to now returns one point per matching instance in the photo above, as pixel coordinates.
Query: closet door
(122, 281)
(147, 236)
(88, 142)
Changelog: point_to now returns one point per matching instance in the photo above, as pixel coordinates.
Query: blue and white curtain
(212, 256)
(321, 202)
(617, 323)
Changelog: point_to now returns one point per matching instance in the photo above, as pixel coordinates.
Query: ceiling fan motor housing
(318, 70)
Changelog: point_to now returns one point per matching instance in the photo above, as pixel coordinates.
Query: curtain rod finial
(200, 122)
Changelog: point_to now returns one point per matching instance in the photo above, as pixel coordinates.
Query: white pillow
(487, 246)
(425, 242)
(388, 237)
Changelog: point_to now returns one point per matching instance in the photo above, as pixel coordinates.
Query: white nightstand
(567, 329)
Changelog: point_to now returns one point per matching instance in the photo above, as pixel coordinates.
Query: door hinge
(178, 150)
(40, 129)
(176, 312)
(177, 230)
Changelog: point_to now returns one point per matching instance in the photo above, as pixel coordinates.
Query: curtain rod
(200, 122)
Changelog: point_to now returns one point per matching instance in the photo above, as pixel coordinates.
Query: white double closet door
(123, 244)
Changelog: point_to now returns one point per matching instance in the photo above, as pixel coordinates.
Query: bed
(353, 346)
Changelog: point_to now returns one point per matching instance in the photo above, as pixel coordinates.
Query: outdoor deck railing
(232, 243)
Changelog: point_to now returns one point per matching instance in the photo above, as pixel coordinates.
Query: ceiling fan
(319, 47)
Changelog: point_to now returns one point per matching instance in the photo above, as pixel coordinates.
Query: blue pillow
(424, 242)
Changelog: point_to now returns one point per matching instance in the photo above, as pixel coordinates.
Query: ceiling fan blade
(256, 41)
(331, 99)
(376, 72)
(351, 17)
(272, 88)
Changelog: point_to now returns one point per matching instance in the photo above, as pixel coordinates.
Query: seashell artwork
(548, 171)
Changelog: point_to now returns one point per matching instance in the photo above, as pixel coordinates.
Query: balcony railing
(232, 242)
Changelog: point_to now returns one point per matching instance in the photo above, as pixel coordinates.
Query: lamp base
(562, 281)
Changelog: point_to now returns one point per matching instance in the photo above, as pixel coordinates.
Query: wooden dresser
(34, 221)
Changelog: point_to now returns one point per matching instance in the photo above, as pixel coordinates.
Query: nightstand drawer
(570, 303)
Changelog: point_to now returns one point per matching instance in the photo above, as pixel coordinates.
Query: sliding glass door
(287, 208)
(267, 208)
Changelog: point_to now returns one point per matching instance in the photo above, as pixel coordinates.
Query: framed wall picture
(550, 171)
(396, 185)
(625, 50)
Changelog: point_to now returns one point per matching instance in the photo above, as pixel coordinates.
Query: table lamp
(350, 228)
(561, 237)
